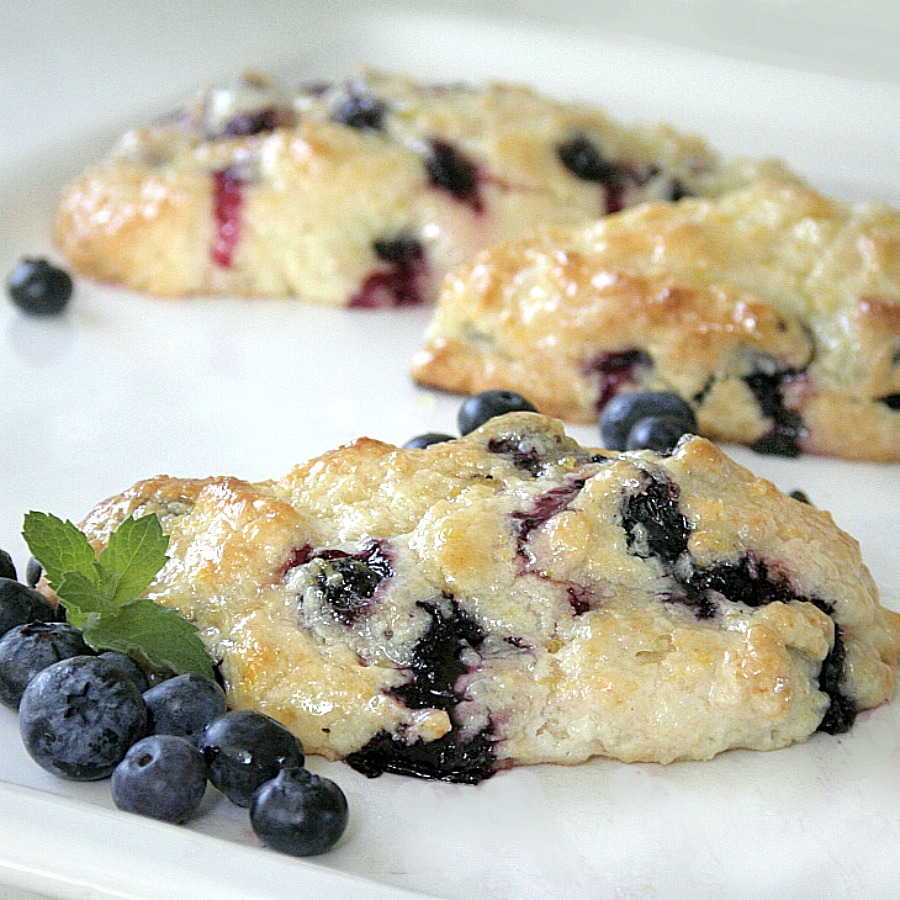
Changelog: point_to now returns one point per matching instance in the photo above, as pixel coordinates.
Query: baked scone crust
(257, 190)
(773, 310)
(511, 597)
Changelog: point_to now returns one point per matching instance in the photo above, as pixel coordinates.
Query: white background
(124, 387)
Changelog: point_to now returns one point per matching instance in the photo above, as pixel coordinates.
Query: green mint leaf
(81, 597)
(136, 551)
(160, 633)
(58, 546)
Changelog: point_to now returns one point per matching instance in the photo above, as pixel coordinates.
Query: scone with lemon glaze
(512, 597)
(364, 192)
(773, 310)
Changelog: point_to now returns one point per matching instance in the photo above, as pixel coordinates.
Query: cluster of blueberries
(638, 420)
(86, 716)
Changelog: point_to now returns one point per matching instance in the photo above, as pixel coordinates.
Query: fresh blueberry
(184, 705)
(20, 605)
(79, 716)
(130, 666)
(7, 566)
(657, 433)
(244, 749)
(28, 649)
(162, 776)
(299, 813)
(488, 404)
(421, 441)
(624, 411)
(33, 572)
(39, 288)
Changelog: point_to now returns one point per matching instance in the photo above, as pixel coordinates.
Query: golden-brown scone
(361, 193)
(511, 597)
(774, 311)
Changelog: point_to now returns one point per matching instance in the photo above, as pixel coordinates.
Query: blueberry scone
(360, 193)
(774, 311)
(512, 597)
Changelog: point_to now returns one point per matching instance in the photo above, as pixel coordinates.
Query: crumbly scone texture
(773, 310)
(364, 192)
(512, 597)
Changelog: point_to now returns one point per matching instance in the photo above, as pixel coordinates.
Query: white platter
(123, 387)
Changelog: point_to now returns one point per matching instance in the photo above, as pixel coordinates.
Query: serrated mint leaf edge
(160, 633)
(59, 546)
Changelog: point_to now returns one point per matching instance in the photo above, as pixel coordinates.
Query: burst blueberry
(361, 112)
(479, 408)
(347, 586)
(449, 170)
(583, 159)
(162, 776)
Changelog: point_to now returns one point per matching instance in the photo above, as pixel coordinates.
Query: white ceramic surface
(123, 387)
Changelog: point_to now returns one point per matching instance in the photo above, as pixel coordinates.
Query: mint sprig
(102, 594)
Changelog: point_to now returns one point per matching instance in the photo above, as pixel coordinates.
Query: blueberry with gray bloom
(28, 649)
(625, 410)
(244, 749)
(299, 813)
(20, 605)
(479, 408)
(7, 566)
(33, 572)
(184, 705)
(39, 288)
(657, 433)
(78, 717)
(131, 667)
(162, 776)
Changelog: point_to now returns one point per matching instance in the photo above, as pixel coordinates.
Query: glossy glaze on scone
(362, 193)
(773, 310)
(511, 597)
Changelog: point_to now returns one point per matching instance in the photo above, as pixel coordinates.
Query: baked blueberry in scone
(773, 311)
(511, 597)
(364, 192)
